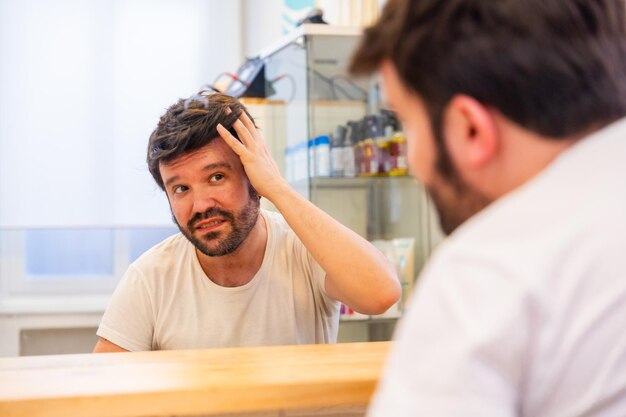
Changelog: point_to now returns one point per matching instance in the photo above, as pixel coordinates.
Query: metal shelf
(354, 182)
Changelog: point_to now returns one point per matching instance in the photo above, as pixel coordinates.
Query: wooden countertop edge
(193, 403)
(266, 378)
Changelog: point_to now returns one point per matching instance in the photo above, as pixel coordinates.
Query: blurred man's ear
(470, 133)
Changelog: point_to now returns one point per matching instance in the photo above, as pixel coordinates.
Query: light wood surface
(191, 382)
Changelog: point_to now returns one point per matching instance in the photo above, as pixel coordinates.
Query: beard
(212, 244)
(454, 199)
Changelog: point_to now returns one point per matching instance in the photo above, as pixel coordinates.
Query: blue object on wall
(71, 252)
(143, 239)
(299, 4)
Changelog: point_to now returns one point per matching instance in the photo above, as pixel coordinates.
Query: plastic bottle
(398, 152)
(398, 145)
(369, 150)
(358, 147)
(336, 152)
(391, 160)
(322, 156)
(382, 145)
(349, 159)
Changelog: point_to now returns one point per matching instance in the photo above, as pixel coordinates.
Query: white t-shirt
(165, 300)
(522, 311)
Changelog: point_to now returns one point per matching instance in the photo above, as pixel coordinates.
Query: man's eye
(216, 177)
(179, 189)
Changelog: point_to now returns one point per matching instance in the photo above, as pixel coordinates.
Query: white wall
(82, 84)
(261, 24)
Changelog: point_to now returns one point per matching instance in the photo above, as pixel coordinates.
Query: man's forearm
(357, 273)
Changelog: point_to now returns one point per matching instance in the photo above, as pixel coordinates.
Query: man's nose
(202, 202)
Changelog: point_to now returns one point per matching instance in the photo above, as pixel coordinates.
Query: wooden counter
(191, 382)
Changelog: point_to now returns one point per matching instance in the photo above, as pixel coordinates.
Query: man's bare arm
(104, 346)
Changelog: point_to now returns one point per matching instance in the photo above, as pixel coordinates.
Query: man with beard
(515, 116)
(237, 275)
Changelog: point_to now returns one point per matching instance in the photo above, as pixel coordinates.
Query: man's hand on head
(257, 161)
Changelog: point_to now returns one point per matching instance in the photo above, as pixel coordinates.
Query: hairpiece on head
(202, 95)
(197, 97)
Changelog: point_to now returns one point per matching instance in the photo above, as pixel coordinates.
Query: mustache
(211, 212)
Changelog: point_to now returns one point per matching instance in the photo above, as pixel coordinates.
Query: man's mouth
(211, 221)
(209, 225)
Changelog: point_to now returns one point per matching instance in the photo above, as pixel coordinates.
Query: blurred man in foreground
(514, 112)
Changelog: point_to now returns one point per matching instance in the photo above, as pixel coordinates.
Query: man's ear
(470, 133)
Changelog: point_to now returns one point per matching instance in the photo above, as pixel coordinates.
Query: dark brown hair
(555, 67)
(189, 125)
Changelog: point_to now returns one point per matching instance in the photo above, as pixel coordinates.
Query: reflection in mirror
(73, 225)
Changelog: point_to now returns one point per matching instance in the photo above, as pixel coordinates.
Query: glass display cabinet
(338, 146)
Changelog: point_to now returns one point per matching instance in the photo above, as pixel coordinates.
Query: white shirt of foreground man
(522, 311)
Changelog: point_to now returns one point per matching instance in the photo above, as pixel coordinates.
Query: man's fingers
(230, 140)
(244, 134)
(249, 125)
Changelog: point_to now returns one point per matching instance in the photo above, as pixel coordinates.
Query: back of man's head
(189, 125)
(555, 67)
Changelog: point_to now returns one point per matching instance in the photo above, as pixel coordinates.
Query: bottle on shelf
(359, 153)
(349, 157)
(398, 151)
(337, 165)
(310, 151)
(398, 147)
(382, 145)
(322, 156)
(371, 146)
(369, 150)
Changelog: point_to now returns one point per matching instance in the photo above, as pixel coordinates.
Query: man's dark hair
(189, 125)
(555, 67)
